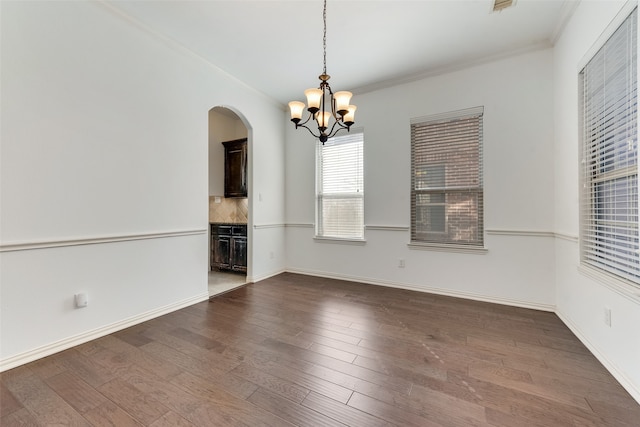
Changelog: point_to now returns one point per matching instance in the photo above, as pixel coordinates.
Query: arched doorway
(228, 216)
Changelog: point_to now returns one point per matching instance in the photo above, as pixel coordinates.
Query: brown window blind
(446, 179)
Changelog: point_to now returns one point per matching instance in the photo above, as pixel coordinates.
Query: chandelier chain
(324, 37)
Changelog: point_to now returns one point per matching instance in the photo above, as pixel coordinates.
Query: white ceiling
(275, 46)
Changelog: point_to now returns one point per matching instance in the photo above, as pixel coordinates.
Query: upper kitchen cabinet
(235, 168)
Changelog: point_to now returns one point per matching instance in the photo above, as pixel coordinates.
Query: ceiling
(275, 46)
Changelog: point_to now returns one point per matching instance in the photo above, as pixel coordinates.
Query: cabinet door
(235, 168)
(239, 248)
(221, 252)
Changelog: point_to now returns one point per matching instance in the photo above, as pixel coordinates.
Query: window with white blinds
(446, 179)
(340, 187)
(609, 198)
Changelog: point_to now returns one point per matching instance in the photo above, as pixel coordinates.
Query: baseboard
(55, 347)
(429, 289)
(624, 381)
(254, 279)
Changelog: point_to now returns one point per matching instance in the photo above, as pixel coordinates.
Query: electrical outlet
(400, 263)
(607, 316)
(81, 300)
(271, 255)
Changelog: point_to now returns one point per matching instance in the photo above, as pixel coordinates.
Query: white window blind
(609, 197)
(446, 179)
(340, 187)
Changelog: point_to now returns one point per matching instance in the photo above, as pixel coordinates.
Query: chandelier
(331, 112)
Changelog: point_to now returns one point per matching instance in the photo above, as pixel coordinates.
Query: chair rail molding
(45, 244)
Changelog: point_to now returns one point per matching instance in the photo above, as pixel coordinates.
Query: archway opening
(228, 213)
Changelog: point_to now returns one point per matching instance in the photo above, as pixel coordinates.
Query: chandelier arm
(334, 131)
(322, 110)
(325, 84)
(309, 116)
(333, 104)
(310, 131)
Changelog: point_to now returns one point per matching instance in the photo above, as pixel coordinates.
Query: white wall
(518, 182)
(581, 300)
(104, 152)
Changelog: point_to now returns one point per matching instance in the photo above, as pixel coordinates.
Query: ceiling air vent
(498, 5)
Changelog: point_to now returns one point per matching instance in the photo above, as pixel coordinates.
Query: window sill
(448, 248)
(340, 241)
(618, 285)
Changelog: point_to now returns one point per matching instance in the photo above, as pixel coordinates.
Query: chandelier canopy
(331, 112)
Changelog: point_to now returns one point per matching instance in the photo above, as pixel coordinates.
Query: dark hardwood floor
(298, 350)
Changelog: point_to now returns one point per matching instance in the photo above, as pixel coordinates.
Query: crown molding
(409, 78)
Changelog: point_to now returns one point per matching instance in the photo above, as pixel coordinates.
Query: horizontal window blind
(609, 199)
(446, 179)
(340, 187)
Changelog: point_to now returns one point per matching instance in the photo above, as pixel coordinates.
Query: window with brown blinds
(446, 179)
(340, 187)
(609, 158)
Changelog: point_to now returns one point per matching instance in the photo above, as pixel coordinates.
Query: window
(609, 157)
(339, 187)
(446, 179)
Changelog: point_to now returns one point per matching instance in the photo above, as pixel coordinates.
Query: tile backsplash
(228, 210)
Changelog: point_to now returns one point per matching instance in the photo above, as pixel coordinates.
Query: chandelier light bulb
(342, 101)
(322, 117)
(349, 117)
(314, 96)
(297, 109)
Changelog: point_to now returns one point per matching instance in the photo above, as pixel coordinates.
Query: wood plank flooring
(306, 351)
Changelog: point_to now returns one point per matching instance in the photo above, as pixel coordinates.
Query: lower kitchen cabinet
(229, 247)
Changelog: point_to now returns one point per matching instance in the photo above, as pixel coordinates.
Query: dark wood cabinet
(235, 168)
(239, 253)
(220, 252)
(229, 247)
